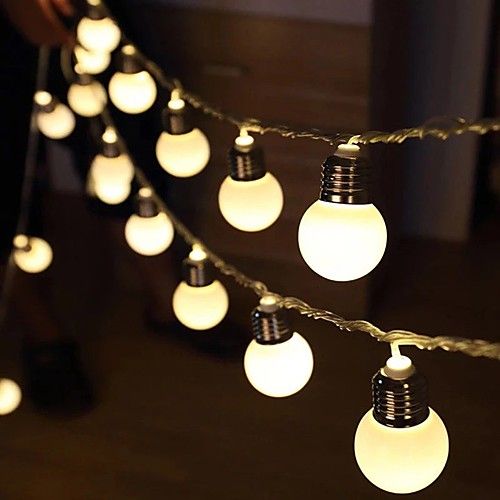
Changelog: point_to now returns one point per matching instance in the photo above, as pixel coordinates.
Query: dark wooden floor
(176, 423)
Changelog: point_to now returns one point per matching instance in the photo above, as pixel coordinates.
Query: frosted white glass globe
(132, 93)
(100, 35)
(342, 242)
(92, 62)
(106, 170)
(279, 370)
(35, 258)
(251, 205)
(183, 155)
(200, 307)
(87, 100)
(149, 235)
(10, 396)
(56, 124)
(401, 460)
(112, 193)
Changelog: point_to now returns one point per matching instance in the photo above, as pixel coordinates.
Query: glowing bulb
(181, 150)
(341, 236)
(92, 62)
(112, 194)
(31, 254)
(110, 171)
(88, 99)
(10, 396)
(54, 119)
(132, 92)
(99, 35)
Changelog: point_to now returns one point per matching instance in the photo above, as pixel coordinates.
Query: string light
(200, 302)
(181, 150)
(132, 89)
(31, 254)
(111, 171)
(250, 198)
(149, 232)
(92, 62)
(342, 236)
(401, 445)
(54, 119)
(278, 362)
(10, 396)
(86, 97)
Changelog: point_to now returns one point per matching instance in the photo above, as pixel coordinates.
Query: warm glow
(92, 62)
(149, 235)
(87, 100)
(279, 370)
(176, 104)
(401, 460)
(112, 194)
(200, 307)
(183, 155)
(111, 171)
(132, 93)
(342, 242)
(251, 205)
(56, 124)
(35, 258)
(10, 396)
(42, 98)
(101, 35)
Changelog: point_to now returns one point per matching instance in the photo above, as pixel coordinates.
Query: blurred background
(163, 412)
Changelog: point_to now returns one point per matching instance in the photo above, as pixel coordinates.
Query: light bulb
(10, 396)
(112, 194)
(278, 363)
(96, 31)
(401, 445)
(92, 62)
(132, 89)
(181, 150)
(31, 254)
(199, 302)
(342, 236)
(149, 232)
(54, 119)
(250, 198)
(87, 97)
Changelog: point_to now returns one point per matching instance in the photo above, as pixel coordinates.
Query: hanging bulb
(10, 396)
(149, 232)
(96, 31)
(401, 445)
(54, 120)
(91, 62)
(250, 198)
(342, 236)
(111, 171)
(200, 302)
(132, 89)
(183, 151)
(278, 363)
(87, 97)
(31, 254)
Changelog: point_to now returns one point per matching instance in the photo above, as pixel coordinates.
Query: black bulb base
(270, 326)
(197, 273)
(177, 121)
(145, 204)
(246, 163)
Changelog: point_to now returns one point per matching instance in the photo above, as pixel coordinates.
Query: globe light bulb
(86, 97)
(10, 396)
(54, 120)
(132, 90)
(278, 363)
(149, 232)
(181, 150)
(200, 302)
(31, 254)
(342, 236)
(92, 62)
(96, 31)
(401, 445)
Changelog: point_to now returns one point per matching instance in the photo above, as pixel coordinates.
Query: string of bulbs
(278, 362)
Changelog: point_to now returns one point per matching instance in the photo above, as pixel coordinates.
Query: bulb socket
(128, 61)
(49, 107)
(96, 12)
(83, 79)
(270, 326)
(197, 273)
(246, 163)
(399, 403)
(110, 149)
(346, 178)
(145, 206)
(177, 121)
